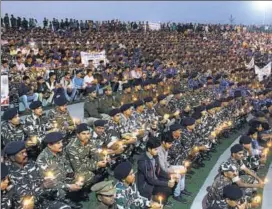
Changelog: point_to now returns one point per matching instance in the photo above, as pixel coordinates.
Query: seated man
(26, 92)
(68, 86)
(105, 193)
(148, 172)
(127, 194)
(176, 171)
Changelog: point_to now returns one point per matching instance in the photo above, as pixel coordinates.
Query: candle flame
(187, 163)
(28, 200)
(257, 199)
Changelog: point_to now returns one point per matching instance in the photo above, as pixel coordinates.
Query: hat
(161, 97)
(12, 148)
(237, 94)
(125, 107)
(153, 142)
(60, 100)
(210, 106)
(122, 170)
(148, 99)
(226, 166)
(146, 83)
(245, 140)
(104, 188)
(217, 103)
(168, 76)
(197, 115)
(107, 88)
(232, 192)
(188, 121)
(100, 123)
(4, 171)
(138, 103)
(53, 137)
(82, 127)
(236, 148)
(137, 82)
(252, 130)
(34, 105)
(90, 89)
(199, 108)
(10, 113)
(168, 138)
(175, 127)
(126, 86)
(176, 91)
(114, 112)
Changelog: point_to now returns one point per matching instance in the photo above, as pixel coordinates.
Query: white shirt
(87, 80)
(20, 67)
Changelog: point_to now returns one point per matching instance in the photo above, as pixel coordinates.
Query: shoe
(185, 192)
(180, 199)
(168, 204)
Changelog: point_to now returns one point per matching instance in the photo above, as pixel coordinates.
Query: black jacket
(145, 176)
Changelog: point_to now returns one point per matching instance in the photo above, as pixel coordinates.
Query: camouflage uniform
(83, 159)
(64, 121)
(7, 199)
(28, 181)
(126, 98)
(10, 133)
(59, 165)
(100, 141)
(106, 103)
(251, 162)
(215, 192)
(91, 106)
(129, 197)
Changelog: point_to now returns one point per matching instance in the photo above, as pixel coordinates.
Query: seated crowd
(158, 106)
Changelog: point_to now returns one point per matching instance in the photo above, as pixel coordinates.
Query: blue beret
(236, 148)
(60, 100)
(245, 140)
(196, 115)
(125, 86)
(53, 137)
(161, 97)
(175, 127)
(125, 107)
(217, 103)
(90, 89)
(199, 108)
(232, 192)
(237, 94)
(10, 113)
(34, 105)
(100, 123)
(122, 170)
(176, 91)
(210, 106)
(159, 80)
(82, 127)
(78, 71)
(146, 83)
(148, 99)
(188, 121)
(12, 148)
(137, 82)
(4, 171)
(114, 112)
(138, 103)
(169, 76)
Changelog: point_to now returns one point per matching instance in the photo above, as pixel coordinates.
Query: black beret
(137, 82)
(259, 114)
(188, 121)
(78, 71)
(138, 103)
(236, 148)
(199, 108)
(114, 112)
(169, 76)
(100, 123)
(4, 171)
(34, 105)
(82, 127)
(122, 170)
(168, 138)
(153, 142)
(161, 97)
(12, 148)
(175, 127)
(53, 137)
(252, 130)
(237, 94)
(148, 99)
(210, 106)
(217, 103)
(90, 89)
(232, 192)
(60, 100)
(209, 78)
(146, 83)
(126, 86)
(197, 115)
(125, 107)
(245, 140)
(268, 104)
(10, 113)
(176, 91)
(194, 74)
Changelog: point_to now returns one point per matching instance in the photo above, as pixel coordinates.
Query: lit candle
(106, 155)
(34, 139)
(187, 163)
(80, 181)
(269, 144)
(213, 134)
(28, 201)
(49, 175)
(229, 123)
(160, 199)
(196, 149)
(166, 116)
(257, 199)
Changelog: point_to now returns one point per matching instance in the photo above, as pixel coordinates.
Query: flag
(265, 71)
(250, 65)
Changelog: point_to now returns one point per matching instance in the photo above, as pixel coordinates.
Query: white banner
(265, 71)
(154, 26)
(4, 90)
(250, 65)
(95, 56)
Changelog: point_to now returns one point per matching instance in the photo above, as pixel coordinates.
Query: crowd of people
(156, 108)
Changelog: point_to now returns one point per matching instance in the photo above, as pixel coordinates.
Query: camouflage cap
(104, 188)
(226, 166)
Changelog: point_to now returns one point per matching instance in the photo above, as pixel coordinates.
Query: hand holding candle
(28, 202)
(80, 181)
